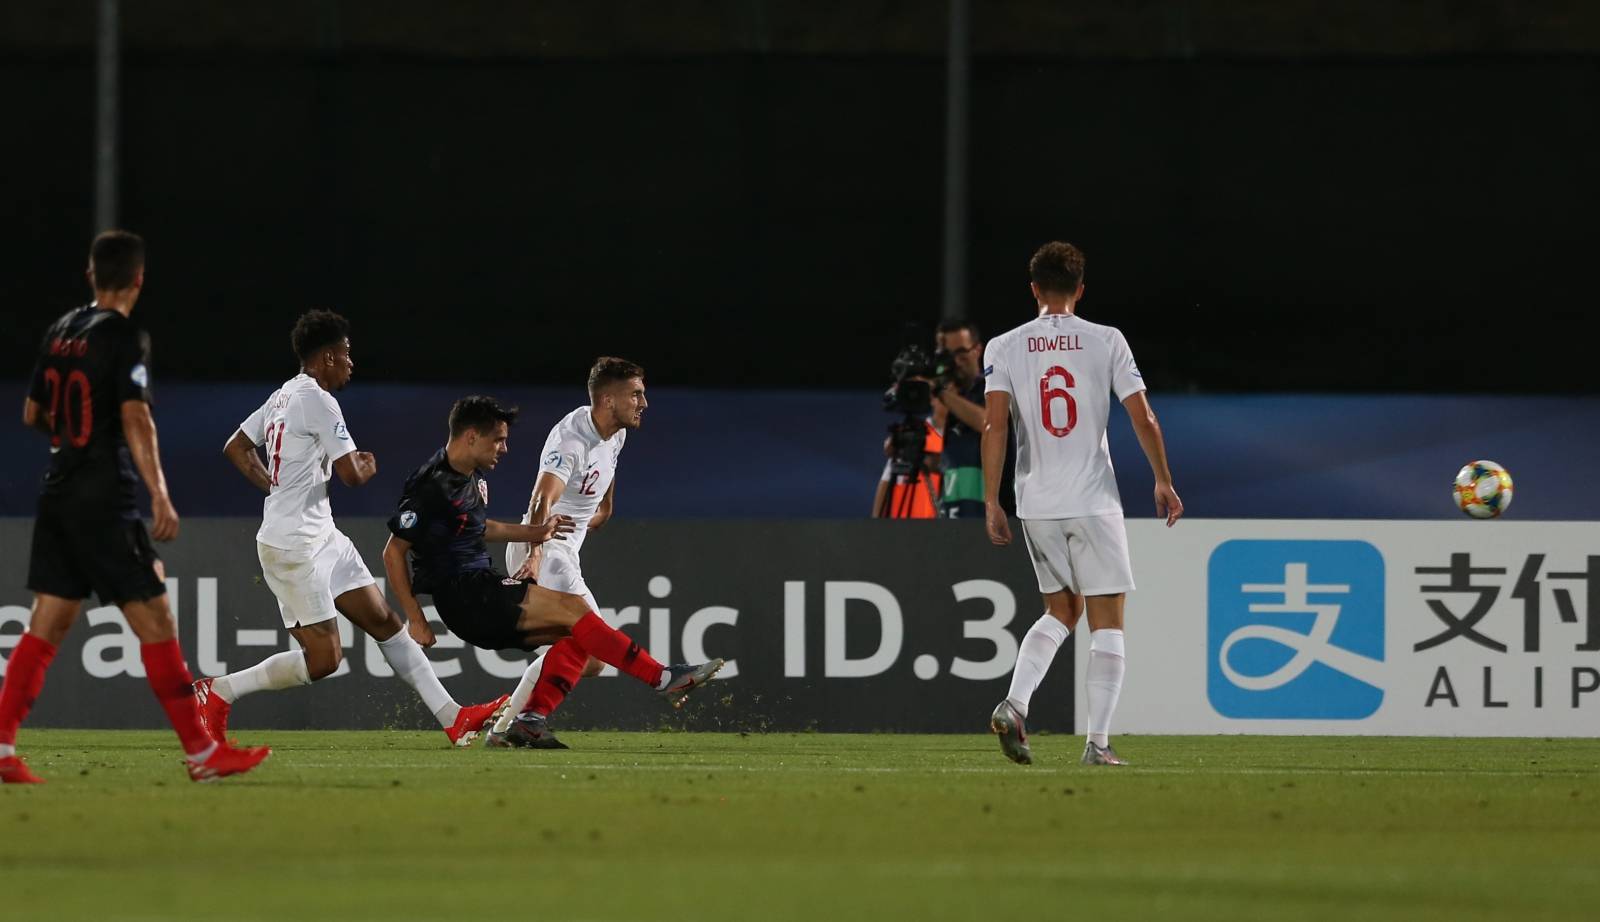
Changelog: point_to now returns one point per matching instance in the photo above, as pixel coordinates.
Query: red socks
(612, 647)
(563, 667)
(24, 679)
(174, 687)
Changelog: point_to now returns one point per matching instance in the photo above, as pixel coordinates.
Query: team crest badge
(483, 490)
(408, 519)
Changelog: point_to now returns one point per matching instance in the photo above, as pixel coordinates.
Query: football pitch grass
(679, 826)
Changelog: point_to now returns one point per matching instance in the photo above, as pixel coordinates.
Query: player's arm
(139, 428)
(1155, 450)
(241, 450)
(546, 490)
(356, 468)
(996, 428)
(602, 514)
(396, 567)
(34, 416)
(553, 527)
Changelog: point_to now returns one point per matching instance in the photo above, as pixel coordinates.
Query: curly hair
(317, 330)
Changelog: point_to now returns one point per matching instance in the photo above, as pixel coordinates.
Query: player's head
(1057, 273)
(116, 262)
(321, 340)
(960, 338)
(481, 427)
(616, 388)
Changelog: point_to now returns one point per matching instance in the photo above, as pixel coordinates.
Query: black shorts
(75, 551)
(483, 607)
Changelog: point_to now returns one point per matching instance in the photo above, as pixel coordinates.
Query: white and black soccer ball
(1483, 489)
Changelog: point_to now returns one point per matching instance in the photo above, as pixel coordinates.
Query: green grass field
(668, 826)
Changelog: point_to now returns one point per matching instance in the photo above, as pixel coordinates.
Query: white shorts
(560, 569)
(306, 581)
(1087, 555)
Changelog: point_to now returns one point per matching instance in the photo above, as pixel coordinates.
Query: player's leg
(1102, 680)
(551, 677)
(59, 584)
(48, 624)
(367, 610)
(546, 616)
(1100, 550)
(1052, 563)
(168, 674)
(299, 581)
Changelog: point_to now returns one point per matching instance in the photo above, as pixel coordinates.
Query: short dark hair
(479, 413)
(317, 330)
(956, 326)
(116, 257)
(1057, 267)
(608, 369)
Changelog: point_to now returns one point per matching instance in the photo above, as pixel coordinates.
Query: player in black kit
(442, 525)
(90, 393)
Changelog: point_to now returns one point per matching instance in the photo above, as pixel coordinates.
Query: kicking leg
(547, 616)
(1102, 679)
(367, 610)
(52, 617)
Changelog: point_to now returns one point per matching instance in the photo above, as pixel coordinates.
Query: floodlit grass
(666, 826)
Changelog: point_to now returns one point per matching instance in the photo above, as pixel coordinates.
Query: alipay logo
(1295, 630)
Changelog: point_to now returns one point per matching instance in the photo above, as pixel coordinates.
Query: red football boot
(15, 771)
(226, 761)
(213, 710)
(470, 722)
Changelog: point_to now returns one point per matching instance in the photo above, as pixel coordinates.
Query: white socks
(519, 698)
(1102, 681)
(405, 656)
(281, 670)
(1038, 649)
(7, 750)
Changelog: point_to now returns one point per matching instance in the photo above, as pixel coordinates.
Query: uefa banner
(1461, 628)
(829, 626)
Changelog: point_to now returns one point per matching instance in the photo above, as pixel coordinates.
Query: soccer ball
(1483, 489)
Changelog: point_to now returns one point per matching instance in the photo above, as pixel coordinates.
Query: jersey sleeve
(254, 426)
(131, 366)
(325, 422)
(561, 460)
(418, 505)
(995, 376)
(1125, 378)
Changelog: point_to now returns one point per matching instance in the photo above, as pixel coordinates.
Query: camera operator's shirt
(586, 463)
(1060, 370)
(962, 460)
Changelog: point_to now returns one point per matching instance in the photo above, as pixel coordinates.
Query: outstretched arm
(139, 428)
(996, 427)
(1155, 450)
(242, 452)
(553, 527)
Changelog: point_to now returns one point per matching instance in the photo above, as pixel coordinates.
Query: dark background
(1272, 196)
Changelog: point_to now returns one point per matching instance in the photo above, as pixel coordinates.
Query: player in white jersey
(1052, 377)
(310, 565)
(577, 479)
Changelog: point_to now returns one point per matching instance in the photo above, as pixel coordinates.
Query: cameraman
(958, 413)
